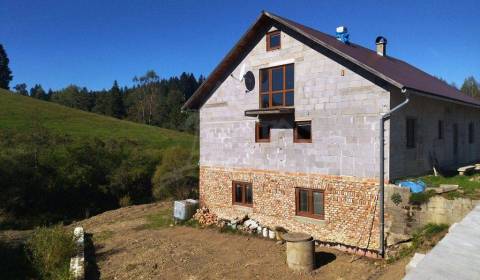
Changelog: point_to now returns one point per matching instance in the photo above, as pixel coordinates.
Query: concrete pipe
(300, 251)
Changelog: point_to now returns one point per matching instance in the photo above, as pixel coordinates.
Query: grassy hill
(21, 113)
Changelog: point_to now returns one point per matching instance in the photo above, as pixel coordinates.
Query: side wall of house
(429, 149)
(342, 159)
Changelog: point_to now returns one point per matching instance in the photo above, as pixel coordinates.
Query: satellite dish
(249, 81)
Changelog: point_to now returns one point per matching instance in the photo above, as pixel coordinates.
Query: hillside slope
(22, 113)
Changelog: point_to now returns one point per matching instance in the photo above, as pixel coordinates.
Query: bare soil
(125, 248)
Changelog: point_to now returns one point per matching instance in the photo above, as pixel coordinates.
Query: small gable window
(302, 132)
(273, 40)
(262, 132)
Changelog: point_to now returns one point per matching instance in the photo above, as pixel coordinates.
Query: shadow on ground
(91, 267)
(14, 262)
(323, 258)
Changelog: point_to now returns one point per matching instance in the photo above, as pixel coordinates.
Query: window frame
(257, 133)
(441, 129)
(269, 35)
(296, 139)
(244, 188)
(309, 213)
(270, 92)
(411, 141)
(471, 133)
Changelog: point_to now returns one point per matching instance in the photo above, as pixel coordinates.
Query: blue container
(415, 187)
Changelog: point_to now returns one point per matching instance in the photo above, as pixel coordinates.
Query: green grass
(469, 186)
(161, 219)
(423, 240)
(21, 113)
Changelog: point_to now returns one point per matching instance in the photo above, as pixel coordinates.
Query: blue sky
(92, 43)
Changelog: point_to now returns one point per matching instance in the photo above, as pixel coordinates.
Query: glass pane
(238, 193)
(318, 203)
(264, 80)
(274, 40)
(303, 201)
(289, 98)
(289, 77)
(277, 79)
(277, 99)
(264, 101)
(263, 131)
(248, 195)
(304, 131)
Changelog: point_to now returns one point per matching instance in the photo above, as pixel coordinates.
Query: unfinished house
(289, 130)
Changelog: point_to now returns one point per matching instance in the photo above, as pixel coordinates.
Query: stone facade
(351, 216)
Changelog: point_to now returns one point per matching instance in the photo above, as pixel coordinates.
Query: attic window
(273, 40)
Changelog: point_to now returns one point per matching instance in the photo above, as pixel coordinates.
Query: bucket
(265, 232)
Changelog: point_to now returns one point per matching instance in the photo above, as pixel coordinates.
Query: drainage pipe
(383, 118)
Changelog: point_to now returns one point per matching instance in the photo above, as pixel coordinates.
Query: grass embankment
(21, 113)
(468, 186)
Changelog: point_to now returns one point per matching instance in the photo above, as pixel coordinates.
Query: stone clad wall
(350, 203)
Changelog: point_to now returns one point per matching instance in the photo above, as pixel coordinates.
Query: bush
(50, 251)
(422, 197)
(125, 201)
(176, 176)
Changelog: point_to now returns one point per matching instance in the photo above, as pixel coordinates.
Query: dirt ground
(126, 249)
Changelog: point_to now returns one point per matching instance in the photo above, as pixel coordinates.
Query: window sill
(246, 209)
(307, 220)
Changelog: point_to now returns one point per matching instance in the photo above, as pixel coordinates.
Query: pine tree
(38, 92)
(5, 73)
(117, 109)
(471, 87)
(21, 89)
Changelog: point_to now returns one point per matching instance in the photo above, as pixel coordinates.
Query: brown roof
(394, 71)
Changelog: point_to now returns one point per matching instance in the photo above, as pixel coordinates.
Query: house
(289, 130)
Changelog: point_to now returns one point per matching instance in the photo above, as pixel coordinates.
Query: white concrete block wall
(344, 111)
(428, 111)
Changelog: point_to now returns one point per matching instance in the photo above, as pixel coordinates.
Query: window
(471, 133)
(276, 86)
(440, 130)
(310, 203)
(411, 133)
(302, 132)
(273, 40)
(242, 194)
(262, 132)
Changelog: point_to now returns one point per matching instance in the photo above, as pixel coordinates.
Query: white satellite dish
(242, 73)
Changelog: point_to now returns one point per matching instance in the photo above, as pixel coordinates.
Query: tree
(116, 108)
(21, 89)
(5, 72)
(471, 87)
(38, 92)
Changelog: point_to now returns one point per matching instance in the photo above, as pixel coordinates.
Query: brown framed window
(277, 86)
(274, 40)
(310, 203)
(262, 132)
(242, 193)
(411, 131)
(471, 133)
(440, 130)
(302, 133)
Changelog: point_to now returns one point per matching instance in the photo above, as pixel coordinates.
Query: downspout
(383, 118)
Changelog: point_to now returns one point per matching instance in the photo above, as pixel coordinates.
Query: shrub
(50, 251)
(125, 201)
(396, 198)
(176, 176)
(422, 197)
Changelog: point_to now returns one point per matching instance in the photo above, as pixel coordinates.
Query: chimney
(381, 43)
